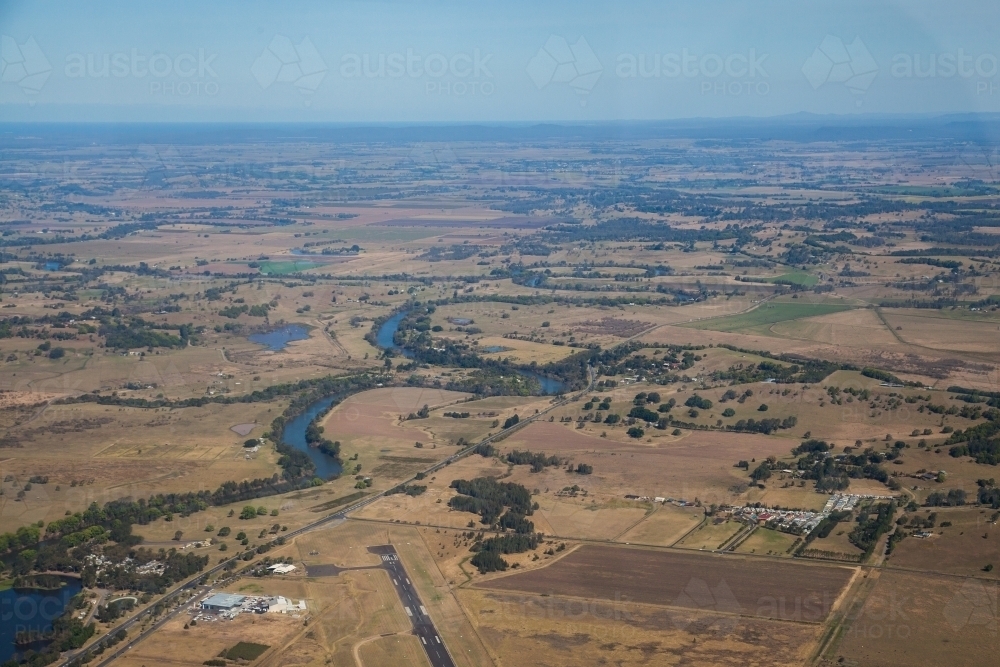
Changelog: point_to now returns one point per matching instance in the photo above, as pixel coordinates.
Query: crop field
(767, 314)
(731, 584)
(858, 327)
(767, 542)
(665, 526)
(539, 630)
(944, 333)
(796, 278)
(912, 619)
(711, 536)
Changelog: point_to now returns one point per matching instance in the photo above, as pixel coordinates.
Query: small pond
(31, 611)
(278, 339)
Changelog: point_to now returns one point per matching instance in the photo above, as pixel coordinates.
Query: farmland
(561, 399)
(768, 314)
(737, 586)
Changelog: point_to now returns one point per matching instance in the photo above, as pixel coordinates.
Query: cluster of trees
(871, 526)
(696, 401)
(834, 473)
(122, 576)
(537, 461)
(988, 493)
(766, 426)
(488, 498)
(951, 498)
(22, 538)
(234, 311)
(831, 473)
(643, 413)
(67, 539)
(981, 442)
(110, 612)
(887, 377)
(485, 450)
(489, 552)
(314, 438)
(807, 371)
(408, 489)
(131, 332)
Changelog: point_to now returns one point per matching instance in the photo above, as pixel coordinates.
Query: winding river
(386, 333)
(294, 434)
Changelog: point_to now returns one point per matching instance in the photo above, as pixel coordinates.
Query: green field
(766, 315)
(795, 278)
(766, 541)
(245, 651)
(289, 266)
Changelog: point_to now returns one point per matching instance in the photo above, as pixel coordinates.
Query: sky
(473, 61)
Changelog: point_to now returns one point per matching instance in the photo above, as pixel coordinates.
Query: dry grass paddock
(670, 578)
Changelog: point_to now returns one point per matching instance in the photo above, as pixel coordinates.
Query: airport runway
(423, 627)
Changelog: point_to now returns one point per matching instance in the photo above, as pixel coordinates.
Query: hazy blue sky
(501, 61)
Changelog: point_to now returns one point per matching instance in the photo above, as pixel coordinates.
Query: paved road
(423, 627)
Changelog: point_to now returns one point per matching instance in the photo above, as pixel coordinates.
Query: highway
(332, 519)
(423, 626)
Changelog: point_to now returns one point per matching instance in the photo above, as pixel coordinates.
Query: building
(281, 568)
(281, 605)
(222, 602)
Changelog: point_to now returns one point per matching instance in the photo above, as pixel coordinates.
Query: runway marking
(422, 610)
(408, 612)
(424, 641)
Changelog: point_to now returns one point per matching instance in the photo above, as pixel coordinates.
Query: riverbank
(385, 338)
